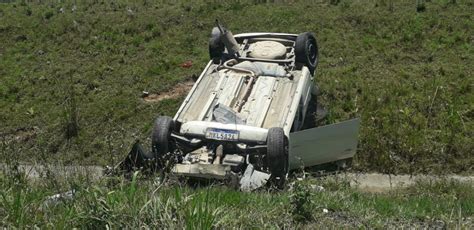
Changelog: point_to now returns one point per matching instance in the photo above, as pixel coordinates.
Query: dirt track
(376, 182)
(370, 182)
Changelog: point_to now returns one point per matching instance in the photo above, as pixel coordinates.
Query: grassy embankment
(72, 77)
(71, 81)
(119, 203)
(70, 86)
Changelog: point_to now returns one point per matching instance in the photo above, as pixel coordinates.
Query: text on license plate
(222, 134)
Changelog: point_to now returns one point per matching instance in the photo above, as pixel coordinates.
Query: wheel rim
(312, 52)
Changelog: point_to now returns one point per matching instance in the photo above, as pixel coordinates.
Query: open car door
(323, 144)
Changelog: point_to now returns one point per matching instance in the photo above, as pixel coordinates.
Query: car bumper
(246, 133)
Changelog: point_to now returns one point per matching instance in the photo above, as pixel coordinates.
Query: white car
(248, 108)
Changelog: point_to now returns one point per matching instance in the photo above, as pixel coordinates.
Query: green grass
(119, 203)
(73, 80)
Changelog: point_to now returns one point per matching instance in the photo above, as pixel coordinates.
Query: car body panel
(264, 34)
(323, 144)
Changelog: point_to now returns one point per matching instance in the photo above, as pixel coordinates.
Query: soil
(179, 90)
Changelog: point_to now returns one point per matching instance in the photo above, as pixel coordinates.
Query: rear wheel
(216, 46)
(161, 136)
(306, 51)
(277, 157)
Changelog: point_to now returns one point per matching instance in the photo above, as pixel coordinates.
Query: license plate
(222, 134)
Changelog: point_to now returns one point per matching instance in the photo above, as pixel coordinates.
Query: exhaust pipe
(228, 39)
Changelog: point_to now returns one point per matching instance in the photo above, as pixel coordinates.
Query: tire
(137, 159)
(216, 46)
(277, 157)
(161, 136)
(306, 51)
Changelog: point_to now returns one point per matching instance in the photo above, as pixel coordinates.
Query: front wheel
(277, 155)
(161, 136)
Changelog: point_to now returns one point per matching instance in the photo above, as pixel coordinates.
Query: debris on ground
(253, 179)
(317, 188)
(60, 197)
(187, 64)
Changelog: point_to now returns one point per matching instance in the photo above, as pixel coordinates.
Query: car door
(323, 144)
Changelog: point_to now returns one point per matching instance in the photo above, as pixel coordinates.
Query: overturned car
(245, 115)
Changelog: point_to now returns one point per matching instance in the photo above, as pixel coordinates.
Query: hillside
(72, 76)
